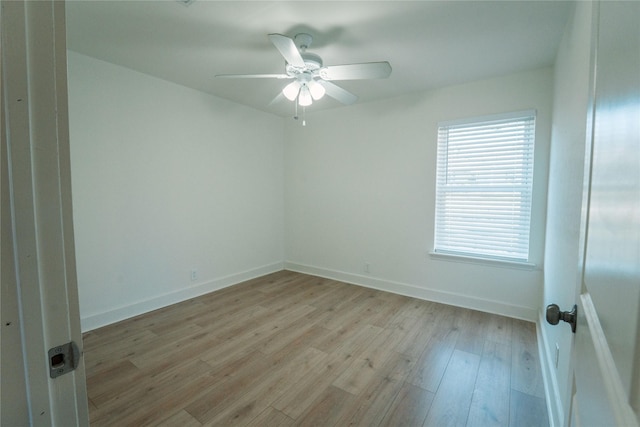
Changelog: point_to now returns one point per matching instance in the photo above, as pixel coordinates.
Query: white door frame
(34, 98)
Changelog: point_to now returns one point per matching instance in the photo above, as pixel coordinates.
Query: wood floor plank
(527, 411)
(450, 406)
(103, 357)
(292, 349)
(290, 333)
(231, 381)
(409, 408)
(113, 379)
(173, 349)
(379, 392)
(490, 402)
(148, 400)
(344, 337)
(526, 374)
(431, 365)
(261, 394)
(271, 417)
(472, 326)
(276, 283)
(328, 409)
(301, 395)
(402, 325)
(417, 308)
(356, 312)
(92, 406)
(176, 328)
(244, 325)
(234, 309)
(499, 329)
(256, 332)
(356, 376)
(398, 366)
(337, 297)
(434, 325)
(372, 404)
(447, 321)
(168, 318)
(181, 419)
(383, 345)
(115, 339)
(356, 344)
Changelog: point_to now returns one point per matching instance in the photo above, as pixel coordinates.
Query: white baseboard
(435, 295)
(95, 321)
(550, 379)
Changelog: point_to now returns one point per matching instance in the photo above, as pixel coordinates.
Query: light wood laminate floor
(291, 349)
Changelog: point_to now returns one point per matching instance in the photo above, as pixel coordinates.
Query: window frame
(477, 256)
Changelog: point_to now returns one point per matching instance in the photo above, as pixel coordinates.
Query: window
(484, 185)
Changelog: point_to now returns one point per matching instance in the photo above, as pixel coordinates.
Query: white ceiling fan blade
(338, 93)
(253, 76)
(368, 70)
(288, 49)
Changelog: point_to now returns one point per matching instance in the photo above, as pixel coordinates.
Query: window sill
(519, 265)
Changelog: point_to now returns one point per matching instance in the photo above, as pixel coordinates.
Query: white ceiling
(428, 43)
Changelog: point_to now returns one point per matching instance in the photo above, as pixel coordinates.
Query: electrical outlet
(194, 274)
(367, 267)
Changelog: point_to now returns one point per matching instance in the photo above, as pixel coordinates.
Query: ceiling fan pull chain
(304, 115)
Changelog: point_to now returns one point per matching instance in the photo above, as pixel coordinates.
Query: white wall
(360, 189)
(167, 179)
(562, 253)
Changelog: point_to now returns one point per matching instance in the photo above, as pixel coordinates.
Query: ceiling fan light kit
(311, 79)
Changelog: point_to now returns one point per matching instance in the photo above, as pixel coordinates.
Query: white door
(607, 353)
(39, 233)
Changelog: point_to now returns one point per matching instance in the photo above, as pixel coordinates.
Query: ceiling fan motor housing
(312, 63)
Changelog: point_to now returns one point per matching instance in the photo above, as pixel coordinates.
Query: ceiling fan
(311, 79)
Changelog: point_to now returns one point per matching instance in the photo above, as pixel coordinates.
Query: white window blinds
(484, 185)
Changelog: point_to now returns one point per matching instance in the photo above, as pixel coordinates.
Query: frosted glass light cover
(316, 89)
(291, 90)
(304, 99)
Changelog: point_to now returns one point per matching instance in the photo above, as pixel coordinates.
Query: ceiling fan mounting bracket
(303, 41)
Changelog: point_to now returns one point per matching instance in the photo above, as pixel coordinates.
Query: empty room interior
(251, 256)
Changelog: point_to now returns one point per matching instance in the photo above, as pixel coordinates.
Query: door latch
(554, 315)
(63, 359)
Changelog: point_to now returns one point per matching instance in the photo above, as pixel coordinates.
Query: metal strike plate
(63, 359)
